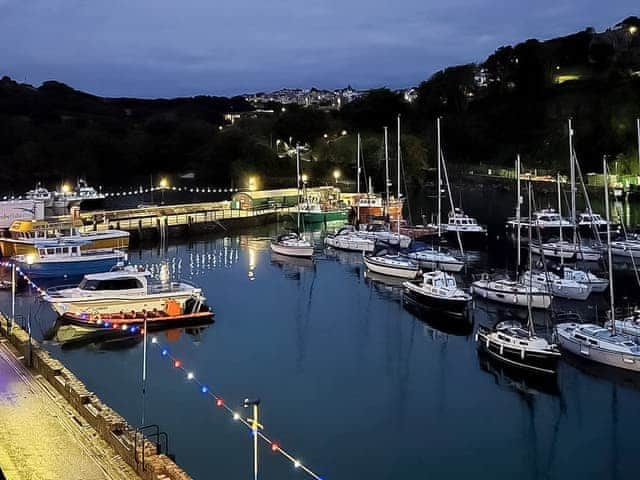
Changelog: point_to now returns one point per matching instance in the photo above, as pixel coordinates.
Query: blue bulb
(164, 352)
(204, 389)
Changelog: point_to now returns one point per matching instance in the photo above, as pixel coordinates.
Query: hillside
(517, 100)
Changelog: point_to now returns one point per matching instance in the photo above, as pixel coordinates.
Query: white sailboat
(388, 263)
(606, 346)
(292, 243)
(504, 290)
(511, 343)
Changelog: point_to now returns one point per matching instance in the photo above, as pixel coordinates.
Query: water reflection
(440, 320)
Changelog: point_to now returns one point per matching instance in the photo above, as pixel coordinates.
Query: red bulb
(219, 402)
(177, 364)
(275, 447)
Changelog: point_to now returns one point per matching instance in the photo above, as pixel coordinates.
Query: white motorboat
(547, 218)
(128, 289)
(292, 244)
(597, 284)
(462, 223)
(392, 265)
(625, 248)
(347, 239)
(559, 287)
(629, 325)
(510, 343)
(566, 250)
(599, 345)
(510, 292)
(436, 260)
(587, 220)
(438, 290)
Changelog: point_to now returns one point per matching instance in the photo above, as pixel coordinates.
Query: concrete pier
(52, 427)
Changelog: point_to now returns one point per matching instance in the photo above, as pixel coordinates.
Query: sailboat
(512, 344)
(604, 345)
(292, 243)
(393, 264)
(505, 290)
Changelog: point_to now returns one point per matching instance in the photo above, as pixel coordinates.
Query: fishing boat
(510, 292)
(127, 289)
(510, 343)
(66, 259)
(557, 286)
(346, 238)
(293, 243)
(318, 213)
(438, 290)
(24, 234)
(433, 259)
(607, 346)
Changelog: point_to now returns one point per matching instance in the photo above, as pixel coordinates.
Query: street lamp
(255, 425)
(343, 133)
(253, 184)
(164, 184)
(336, 175)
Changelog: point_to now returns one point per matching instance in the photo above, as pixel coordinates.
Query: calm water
(351, 381)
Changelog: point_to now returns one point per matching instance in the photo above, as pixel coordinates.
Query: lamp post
(336, 175)
(255, 425)
(164, 184)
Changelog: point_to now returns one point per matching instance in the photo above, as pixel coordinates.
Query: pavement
(41, 435)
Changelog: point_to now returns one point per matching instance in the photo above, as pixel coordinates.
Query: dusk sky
(151, 48)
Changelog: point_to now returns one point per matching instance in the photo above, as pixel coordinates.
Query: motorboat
(459, 222)
(392, 264)
(433, 259)
(558, 287)
(123, 290)
(438, 289)
(586, 221)
(599, 344)
(347, 239)
(66, 259)
(67, 197)
(629, 248)
(510, 292)
(379, 232)
(629, 325)
(512, 344)
(292, 244)
(547, 218)
(597, 284)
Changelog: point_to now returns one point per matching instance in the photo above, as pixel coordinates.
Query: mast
(453, 208)
(439, 186)
(638, 128)
(518, 201)
(572, 171)
(529, 293)
(298, 181)
(386, 165)
(560, 213)
(606, 203)
(399, 201)
(358, 180)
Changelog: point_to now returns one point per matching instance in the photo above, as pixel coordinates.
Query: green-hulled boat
(315, 214)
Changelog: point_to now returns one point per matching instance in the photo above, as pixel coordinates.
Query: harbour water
(351, 381)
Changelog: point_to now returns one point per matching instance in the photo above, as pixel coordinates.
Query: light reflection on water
(355, 380)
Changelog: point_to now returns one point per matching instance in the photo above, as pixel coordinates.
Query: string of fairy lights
(132, 191)
(218, 400)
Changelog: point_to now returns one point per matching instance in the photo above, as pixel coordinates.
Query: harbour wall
(131, 445)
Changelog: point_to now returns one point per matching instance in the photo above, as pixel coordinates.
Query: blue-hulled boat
(66, 259)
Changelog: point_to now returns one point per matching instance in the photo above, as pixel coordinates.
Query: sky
(169, 48)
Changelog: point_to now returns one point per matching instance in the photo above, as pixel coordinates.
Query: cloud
(163, 47)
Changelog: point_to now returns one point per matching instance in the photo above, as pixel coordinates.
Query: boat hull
(154, 321)
(532, 361)
(455, 306)
(324, 217)
(292, 251)
(539, 300)
(447, 266)
(391, 271)
(65, 269)
(596, 354)
(353, 243)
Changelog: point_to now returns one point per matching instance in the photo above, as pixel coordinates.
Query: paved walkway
(41, 435)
